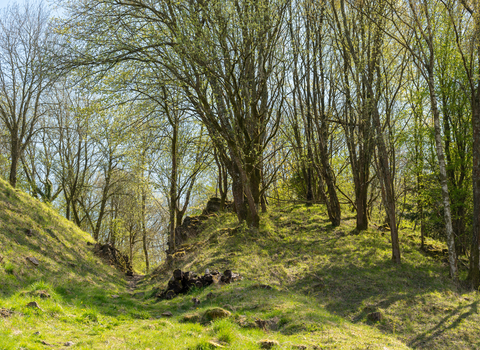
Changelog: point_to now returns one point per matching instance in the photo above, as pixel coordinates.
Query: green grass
(325, 281)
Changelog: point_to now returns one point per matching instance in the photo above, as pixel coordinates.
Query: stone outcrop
(191, 224)
(114, 257)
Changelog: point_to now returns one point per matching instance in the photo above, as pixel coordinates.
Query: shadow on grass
(449, 322)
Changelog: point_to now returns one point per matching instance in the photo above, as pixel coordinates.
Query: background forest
(127, 115)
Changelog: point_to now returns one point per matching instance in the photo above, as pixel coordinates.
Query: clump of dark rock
(182, 282)
(375, 316)
(114, 257)
(4, 313)
(189, 227)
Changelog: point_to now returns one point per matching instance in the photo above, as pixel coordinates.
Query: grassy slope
(324, 280)
(327, 280)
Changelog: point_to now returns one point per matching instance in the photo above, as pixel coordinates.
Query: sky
(5, 3)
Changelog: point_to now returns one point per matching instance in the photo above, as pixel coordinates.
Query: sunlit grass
(324, 282)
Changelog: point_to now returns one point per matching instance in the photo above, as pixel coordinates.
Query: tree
(24, 42)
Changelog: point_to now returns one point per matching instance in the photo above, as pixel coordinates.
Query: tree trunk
(144, 230)
(15, 155)
(474, 273)
(103, 202)
(452, 256)
(173, 190)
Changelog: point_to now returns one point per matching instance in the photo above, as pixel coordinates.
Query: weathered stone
(261, 286)
(39, 294)
(268, 344)
(33, 305)
(167, 314)
(215, 344)
(33, 261)
(375, 316)
(69, 343)
(192, 318)
(271, 324)
(216, 313)
(196, 301)
(4, 313)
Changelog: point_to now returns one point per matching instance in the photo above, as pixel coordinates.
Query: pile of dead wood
(182, 282)
(114, 257)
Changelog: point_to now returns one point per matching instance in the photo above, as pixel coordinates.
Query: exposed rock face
(188, 229)
(114, 257)
(190, 225)
(181, 282)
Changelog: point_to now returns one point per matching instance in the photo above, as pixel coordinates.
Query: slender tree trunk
(105, 194)
(144, 229)
(474, 273)
(15, 155)
(452, 256)
(173, 190)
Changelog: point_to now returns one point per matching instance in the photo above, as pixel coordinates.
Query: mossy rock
(191, 318)
(215, 314)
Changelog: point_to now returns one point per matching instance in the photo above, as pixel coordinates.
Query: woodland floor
(324, 283)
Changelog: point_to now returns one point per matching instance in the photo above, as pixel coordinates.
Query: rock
(268, 344)
(271, 324)
(69, 343)
(45, 343)
(215, 314)
(262, 286)
(36, 333)
(38, 294)
(214, 205)
(4, 313)
(167, 314)
(33, 305)
(113, 256)
(215, 344)
(33, 261)
(192, 318)
(375, 316)
(170, 295)
(115, 296)
(196, 301)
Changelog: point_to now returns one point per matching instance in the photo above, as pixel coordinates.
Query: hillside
(324, 283)
(327, 281)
